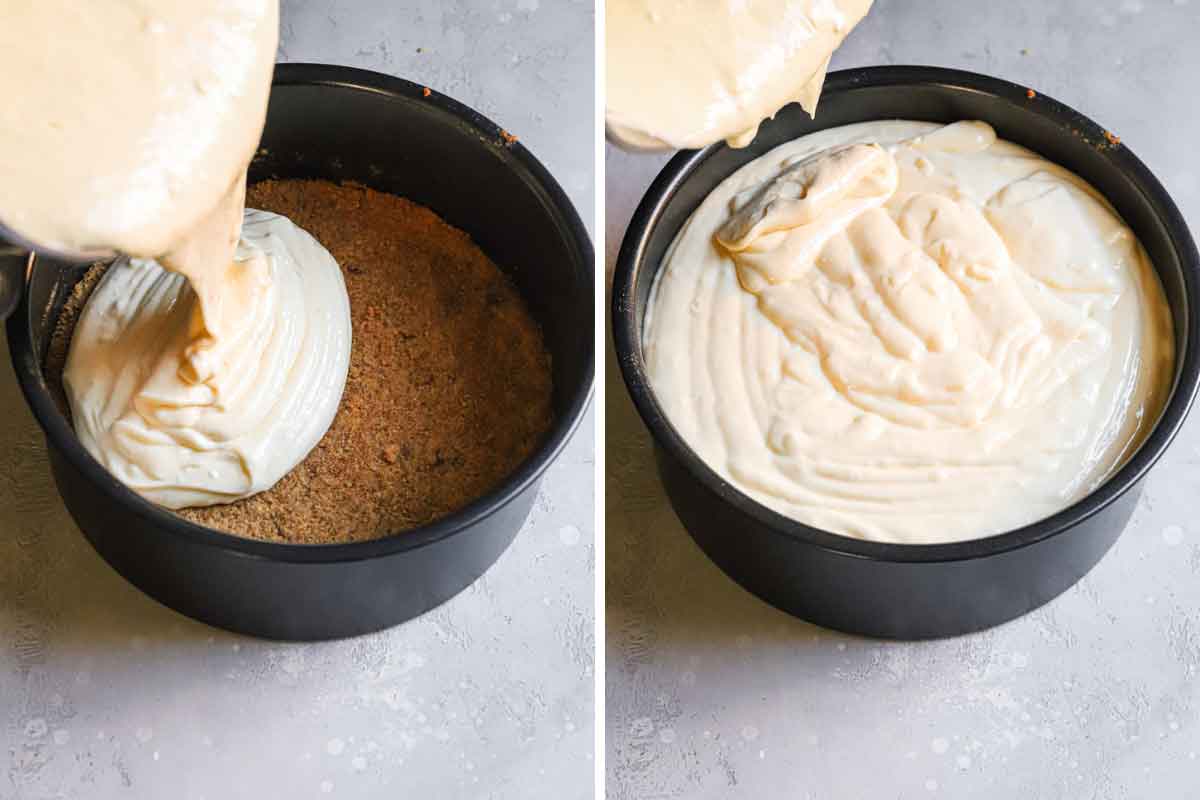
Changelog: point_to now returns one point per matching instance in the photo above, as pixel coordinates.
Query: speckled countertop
(713, 694)
(105, 694)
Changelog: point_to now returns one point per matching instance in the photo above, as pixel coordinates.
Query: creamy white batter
(909, 333)
(128, 126)
(221, 423)
(687, 73)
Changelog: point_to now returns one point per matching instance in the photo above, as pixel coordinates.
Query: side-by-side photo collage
(599, 400)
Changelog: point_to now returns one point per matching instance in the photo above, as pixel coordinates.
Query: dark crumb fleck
(508, 138)
(1112, 138)
(420, 50)
(1030, 93)
(1024, 51)
(425, 92)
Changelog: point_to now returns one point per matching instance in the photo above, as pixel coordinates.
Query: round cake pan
(343, 124)
(889, 590)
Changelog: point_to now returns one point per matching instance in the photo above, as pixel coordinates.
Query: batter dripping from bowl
(684, 74)
(212, 357)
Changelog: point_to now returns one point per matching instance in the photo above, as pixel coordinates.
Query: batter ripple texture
(230, 418)
(906, 332)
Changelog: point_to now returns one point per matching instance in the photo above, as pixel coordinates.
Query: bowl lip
(61, 437)
(626, 330)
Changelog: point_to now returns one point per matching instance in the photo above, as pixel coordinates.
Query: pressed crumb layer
(449, 386)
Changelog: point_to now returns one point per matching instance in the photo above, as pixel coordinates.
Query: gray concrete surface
(105, 694)
(713, 694)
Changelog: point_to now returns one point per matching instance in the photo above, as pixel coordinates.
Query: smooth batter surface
(687, 73)
(123, 121)
(910, 333)
(268, 393)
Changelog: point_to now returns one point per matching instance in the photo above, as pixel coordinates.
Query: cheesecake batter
(124, 122)
(910, 333)
(212, 358)
(222, 422)
(687, 73)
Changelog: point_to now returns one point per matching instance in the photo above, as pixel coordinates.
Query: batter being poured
(687, 73)
(212, 357)
(910, 333)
